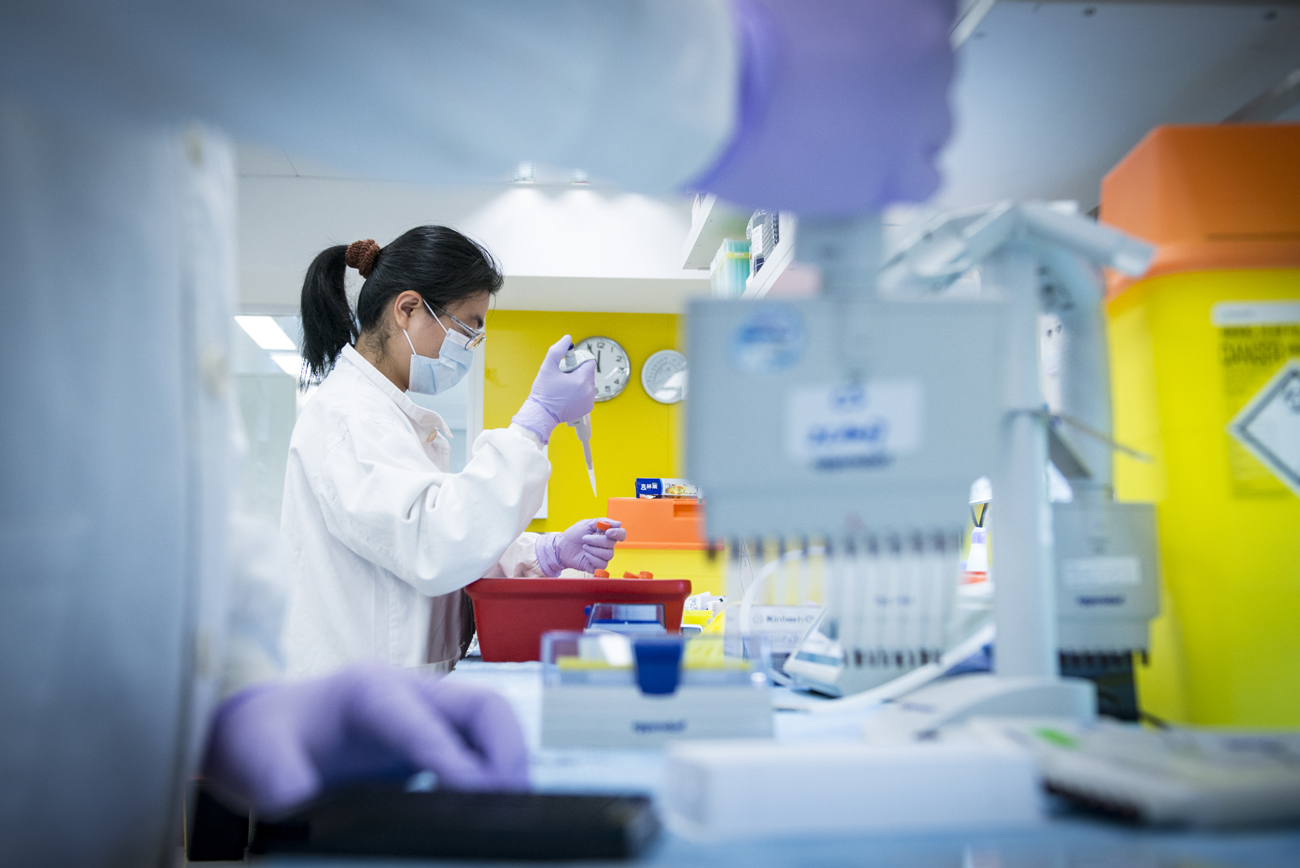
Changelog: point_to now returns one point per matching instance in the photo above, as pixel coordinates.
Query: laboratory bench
(1067, 840)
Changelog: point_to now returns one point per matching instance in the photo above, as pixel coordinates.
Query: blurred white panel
(1051, 95)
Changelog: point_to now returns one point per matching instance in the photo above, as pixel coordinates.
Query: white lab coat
(378, 530)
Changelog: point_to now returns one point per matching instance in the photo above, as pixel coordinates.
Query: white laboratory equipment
(1106, 553)
(1210, 778)
(1107, 556)
(855, 421)
(1042, 260)
(616, 690)
(861, 418)
(1108, 580)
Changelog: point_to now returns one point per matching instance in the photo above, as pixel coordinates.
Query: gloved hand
(843, 105)
(276, 745)
(556, 396)
(582, 547)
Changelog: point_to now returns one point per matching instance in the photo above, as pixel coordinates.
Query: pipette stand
(1015, 247)
(1027, 680)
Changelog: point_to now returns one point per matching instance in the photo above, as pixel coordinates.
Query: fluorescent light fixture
(524, 172)
(290, 363)
(266, 333)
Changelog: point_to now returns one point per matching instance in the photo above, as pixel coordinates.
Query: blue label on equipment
(772, 339)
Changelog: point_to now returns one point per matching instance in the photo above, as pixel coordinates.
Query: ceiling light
(266, 333)
(524, 172)
(290, 363)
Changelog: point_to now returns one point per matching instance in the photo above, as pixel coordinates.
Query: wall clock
(663, 376)
(613, 367)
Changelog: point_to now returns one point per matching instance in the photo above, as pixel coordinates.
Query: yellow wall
(632, 435)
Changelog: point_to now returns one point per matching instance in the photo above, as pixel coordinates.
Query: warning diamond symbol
(1269, 425)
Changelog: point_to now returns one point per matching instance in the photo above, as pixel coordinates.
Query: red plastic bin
(512, 614)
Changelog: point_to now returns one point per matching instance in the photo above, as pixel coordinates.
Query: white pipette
(582, 427)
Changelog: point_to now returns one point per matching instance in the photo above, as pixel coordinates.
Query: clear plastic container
(730, 268)
(645, 619)
(602, 658)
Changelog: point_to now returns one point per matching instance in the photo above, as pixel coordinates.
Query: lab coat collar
(424, 419)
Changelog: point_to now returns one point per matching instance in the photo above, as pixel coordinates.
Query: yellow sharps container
(1205, 367)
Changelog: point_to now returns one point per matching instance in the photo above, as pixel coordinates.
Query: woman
(382, 537)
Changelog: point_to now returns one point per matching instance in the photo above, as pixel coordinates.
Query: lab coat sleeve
(640, 92)
(518, 561)
(382, 497)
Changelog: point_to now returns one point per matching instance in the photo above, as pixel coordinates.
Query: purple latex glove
(581, 547)
(843, 105)
(276, 745)
(557, 396)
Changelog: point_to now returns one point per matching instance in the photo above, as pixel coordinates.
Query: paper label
(1254, 361)
(1101, 572)
(1226, 314)
(783, 626)
(844, 426)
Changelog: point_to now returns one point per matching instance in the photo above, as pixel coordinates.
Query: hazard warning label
(1258, 343)
(1269, 425)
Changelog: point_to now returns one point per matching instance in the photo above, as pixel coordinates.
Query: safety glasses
(476, 336)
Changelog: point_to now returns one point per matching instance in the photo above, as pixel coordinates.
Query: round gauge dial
(613, 367)
(663, 376)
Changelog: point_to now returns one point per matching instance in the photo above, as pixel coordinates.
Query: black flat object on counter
(383, 819)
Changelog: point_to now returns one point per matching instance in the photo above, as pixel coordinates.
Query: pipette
(582, 427)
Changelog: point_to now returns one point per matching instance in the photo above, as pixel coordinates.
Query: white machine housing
(752, 358)
(1107, 574)
(621, 716)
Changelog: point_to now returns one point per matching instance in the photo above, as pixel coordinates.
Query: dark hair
(439, 263)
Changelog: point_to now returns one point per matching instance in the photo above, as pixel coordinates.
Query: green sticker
(1056, 737)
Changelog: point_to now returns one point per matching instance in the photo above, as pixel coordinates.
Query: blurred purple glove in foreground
(843, 105)
(557, 396)
(581, 547)
(276, 745)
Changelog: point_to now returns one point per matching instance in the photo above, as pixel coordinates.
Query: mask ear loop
(461, 340)
(445, 330)
(435, 319)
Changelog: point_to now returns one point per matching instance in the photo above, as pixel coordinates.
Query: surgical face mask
(431, 376)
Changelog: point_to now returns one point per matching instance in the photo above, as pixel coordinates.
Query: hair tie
(361, 255)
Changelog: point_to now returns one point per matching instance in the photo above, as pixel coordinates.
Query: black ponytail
(439, 263)
(327, 323)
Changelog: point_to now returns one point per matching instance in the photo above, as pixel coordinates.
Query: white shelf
(776, 265)
(711, 222)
